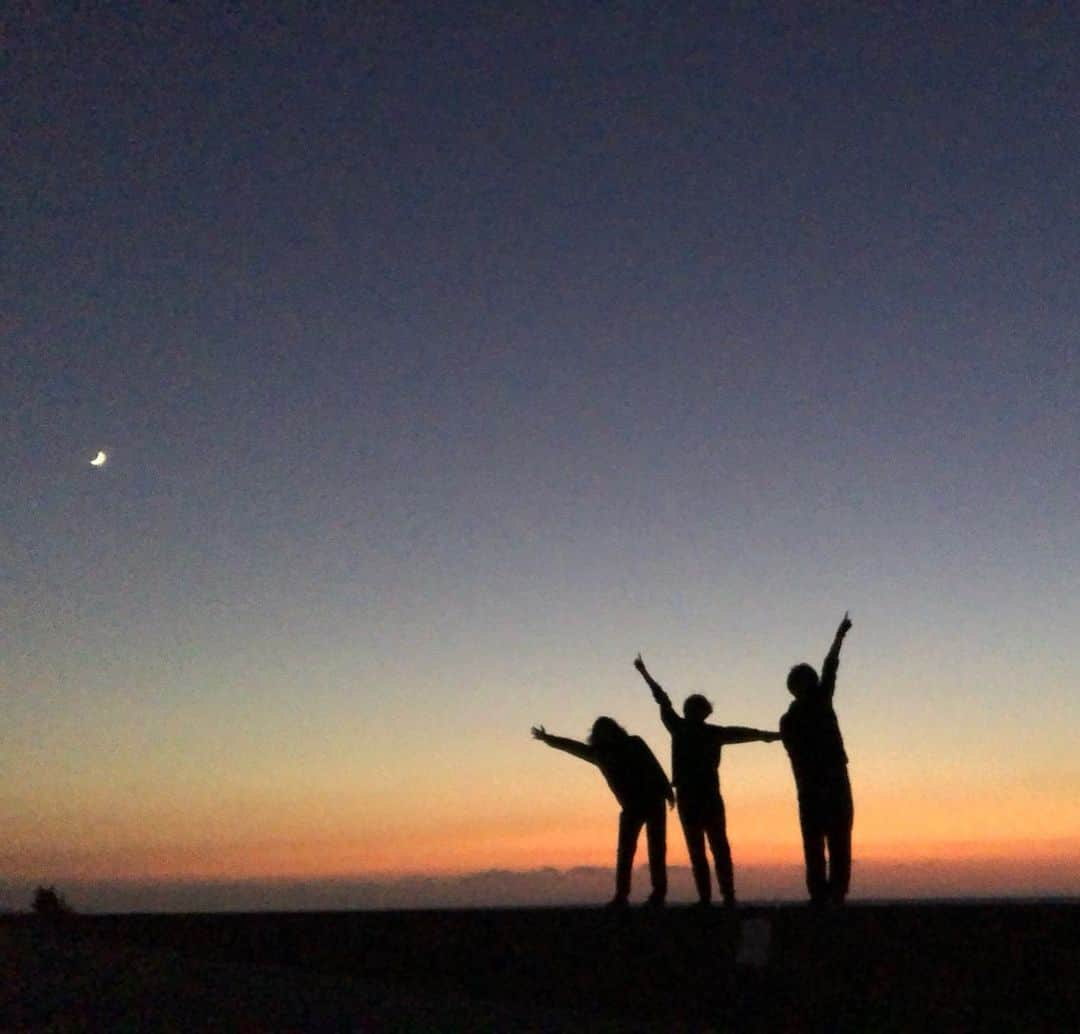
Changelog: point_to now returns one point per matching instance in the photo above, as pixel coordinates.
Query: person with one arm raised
(811, 735)
(695, 771)
(640, 786)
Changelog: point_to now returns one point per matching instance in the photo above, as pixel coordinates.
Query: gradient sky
(448, 355)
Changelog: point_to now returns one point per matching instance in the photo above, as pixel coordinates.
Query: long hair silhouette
(607, 733)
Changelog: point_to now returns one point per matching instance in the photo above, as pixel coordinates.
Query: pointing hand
(844, 625)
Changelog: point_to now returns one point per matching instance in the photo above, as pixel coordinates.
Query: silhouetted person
(812, 738)
(48, 903)
(695, 771)
(641, 788)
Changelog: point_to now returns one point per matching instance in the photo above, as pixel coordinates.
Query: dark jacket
(695, 748)
(811, 732)
(635, 776)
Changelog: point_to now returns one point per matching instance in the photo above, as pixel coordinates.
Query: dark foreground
(928, 967)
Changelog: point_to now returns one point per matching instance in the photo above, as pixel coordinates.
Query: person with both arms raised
(695, 763)
(640, 786)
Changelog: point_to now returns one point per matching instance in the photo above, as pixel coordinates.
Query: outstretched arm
(832, 659)
(575, 747)
(667, 712)
(741, 734)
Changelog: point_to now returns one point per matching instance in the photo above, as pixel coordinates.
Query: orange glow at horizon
(476, 847)
(326, 822)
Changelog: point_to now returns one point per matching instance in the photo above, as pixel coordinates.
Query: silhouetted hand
(639, 664)
(539, 733)
(845, 625)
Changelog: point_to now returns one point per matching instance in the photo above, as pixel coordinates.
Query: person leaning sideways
(811, 735)
(641, 788)
(695, 763)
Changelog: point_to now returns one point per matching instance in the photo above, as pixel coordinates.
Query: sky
(446, 356)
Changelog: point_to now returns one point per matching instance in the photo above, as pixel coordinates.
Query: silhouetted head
(801, 679)
(606, 732)
(696, 708)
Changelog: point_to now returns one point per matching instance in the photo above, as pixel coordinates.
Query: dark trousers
(654, 819)
(826, 815)
(703, 818)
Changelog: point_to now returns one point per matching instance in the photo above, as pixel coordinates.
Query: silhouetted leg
(839, 837)
(656, 834)
(694, 831)
(629, 828)
(716, 831)
(813, 839)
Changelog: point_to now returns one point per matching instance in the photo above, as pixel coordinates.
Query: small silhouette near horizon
(811, 734)
(49, 903)
(695, 772)
(641, 787)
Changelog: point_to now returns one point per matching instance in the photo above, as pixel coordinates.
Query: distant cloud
(587, 885)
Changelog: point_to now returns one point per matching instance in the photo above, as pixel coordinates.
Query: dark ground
(869, 968)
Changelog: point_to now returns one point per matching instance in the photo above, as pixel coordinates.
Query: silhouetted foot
(617, 904)
(703, 905)
(730, 903)
(655, 900)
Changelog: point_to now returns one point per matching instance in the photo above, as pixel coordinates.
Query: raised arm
(575, 747)
(667, 712)
(832, 659)
(742, 734)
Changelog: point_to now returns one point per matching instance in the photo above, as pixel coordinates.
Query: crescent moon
(99, 460)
